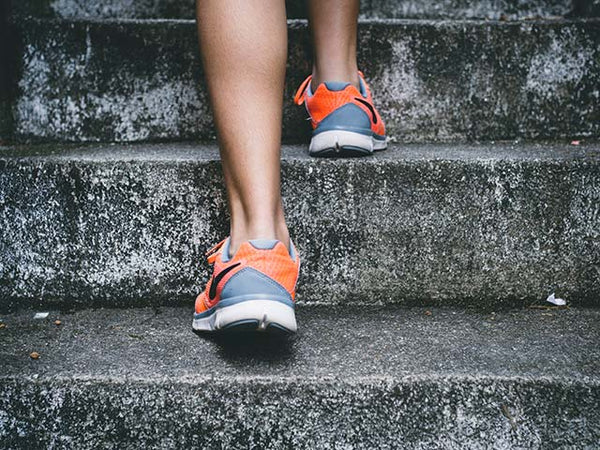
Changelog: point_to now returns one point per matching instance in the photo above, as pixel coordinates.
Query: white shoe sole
(250, 315)
(344, 143)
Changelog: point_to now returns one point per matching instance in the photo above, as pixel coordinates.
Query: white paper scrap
(556, 301)
(41, 315)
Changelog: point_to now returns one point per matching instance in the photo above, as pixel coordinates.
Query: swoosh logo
(217, 279)
(368, 105)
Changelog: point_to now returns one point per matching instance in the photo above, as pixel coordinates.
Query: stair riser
(468, 232)
(184, 9)
(419, 413)
(6, 73)
(444, 81)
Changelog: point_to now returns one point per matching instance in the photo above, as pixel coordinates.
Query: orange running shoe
(252, 290)
(344, 120)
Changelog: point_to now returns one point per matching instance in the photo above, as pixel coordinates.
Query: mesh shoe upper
(256, 269)
(329, 98)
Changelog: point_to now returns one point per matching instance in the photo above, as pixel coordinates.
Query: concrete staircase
(352, 378)
(425, 268)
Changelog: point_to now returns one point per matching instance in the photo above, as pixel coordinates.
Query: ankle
(347, 75)
(274, 230)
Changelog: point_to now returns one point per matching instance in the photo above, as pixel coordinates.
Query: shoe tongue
(269, 244)
(263, 244)
(225, 256)
(336, 85)
(362, 88)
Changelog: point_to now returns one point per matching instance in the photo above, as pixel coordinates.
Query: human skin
(244, 50)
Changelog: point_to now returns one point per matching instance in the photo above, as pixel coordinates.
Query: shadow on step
(249, 347)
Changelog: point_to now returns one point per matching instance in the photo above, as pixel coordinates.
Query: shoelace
(211, 253)
(301, 92)
(300, 95)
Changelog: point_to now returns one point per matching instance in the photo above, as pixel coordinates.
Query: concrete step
(351, 378)
(433, 80)
(483, 226)
(385, 9)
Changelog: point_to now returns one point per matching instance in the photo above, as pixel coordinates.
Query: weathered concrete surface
(352, 378)
(483, 226)
(379, 9)
(586, 8)
(7, 70)
(433, 81)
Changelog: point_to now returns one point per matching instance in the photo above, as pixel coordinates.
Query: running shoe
(343, 118)
(253, 290)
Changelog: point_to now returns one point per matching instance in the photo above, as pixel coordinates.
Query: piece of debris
(2, 325)
(548, 307)
(40, 315)
(556, 301)
(427, 313)
(57, 323)
(506, 413)
(575, 142)
(34, 355)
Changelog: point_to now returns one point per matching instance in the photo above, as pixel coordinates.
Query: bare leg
(244, 50)
(334, 29)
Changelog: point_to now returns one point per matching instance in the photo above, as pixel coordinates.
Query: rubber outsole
(345, 151)
(258, 315)
(343, 143)
(249, 326)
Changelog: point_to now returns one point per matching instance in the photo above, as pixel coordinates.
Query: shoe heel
(256, 315)
(341, 143)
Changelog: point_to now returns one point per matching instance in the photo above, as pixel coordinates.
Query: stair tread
(468, 225)
(297, 8)
(204, 152)
(141, 80)
(346, 344)
(303, 23)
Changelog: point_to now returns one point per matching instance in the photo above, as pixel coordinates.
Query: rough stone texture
(351, 378)
(433, 81)
(586, 8)
(184, 9)
(7, 68)
(484, 226)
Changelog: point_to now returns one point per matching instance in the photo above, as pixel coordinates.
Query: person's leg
(333, 25)
(339, 103)
(244, 49)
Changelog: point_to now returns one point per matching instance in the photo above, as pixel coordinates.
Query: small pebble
(34, 355)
